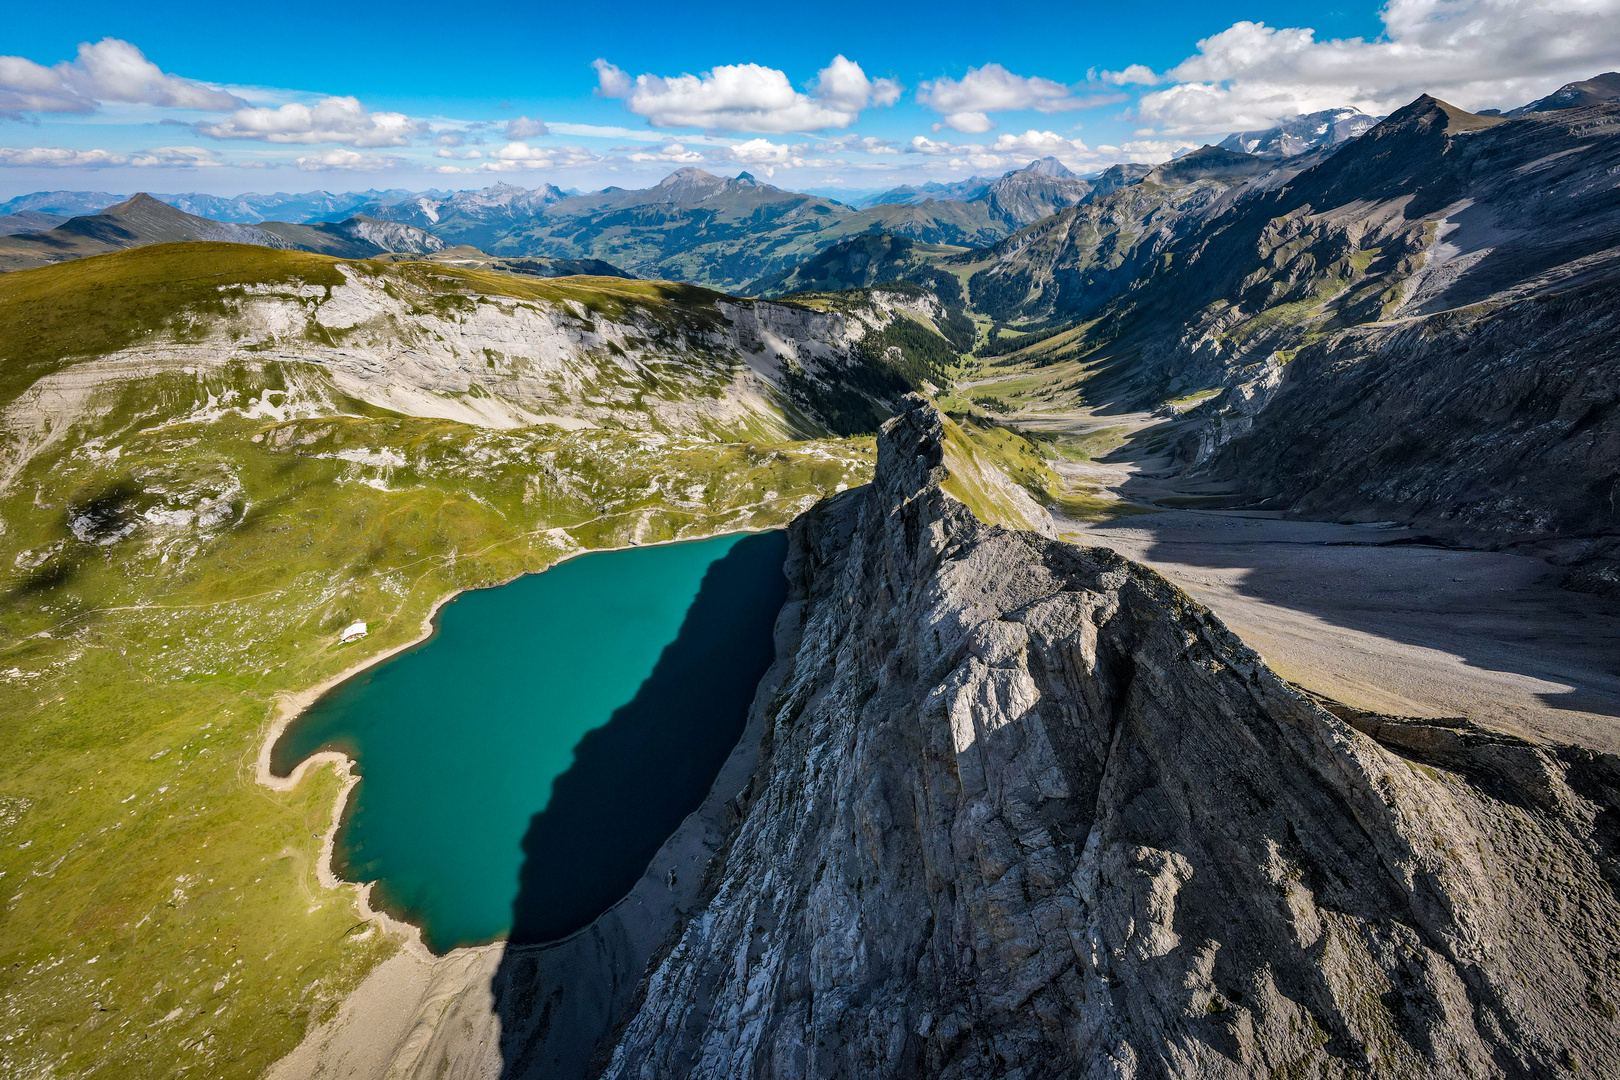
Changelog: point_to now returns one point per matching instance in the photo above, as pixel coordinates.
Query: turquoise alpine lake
(519, 768)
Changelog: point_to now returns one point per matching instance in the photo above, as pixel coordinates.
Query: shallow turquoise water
(520, 767)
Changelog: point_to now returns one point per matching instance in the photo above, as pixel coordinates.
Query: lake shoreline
(289, 707)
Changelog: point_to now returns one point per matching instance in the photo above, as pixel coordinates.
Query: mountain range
(143, 220)
(722, 232)
(955, 191)
(727, 232)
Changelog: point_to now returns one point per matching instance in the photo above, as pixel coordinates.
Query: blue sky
(122, 97)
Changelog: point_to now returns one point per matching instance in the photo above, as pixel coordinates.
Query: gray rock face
(1026, 810)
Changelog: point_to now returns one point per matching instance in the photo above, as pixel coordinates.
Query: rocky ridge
(1024, 809)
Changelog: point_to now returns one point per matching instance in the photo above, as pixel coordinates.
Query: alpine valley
(1200, 653)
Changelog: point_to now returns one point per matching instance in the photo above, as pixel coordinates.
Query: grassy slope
(94, 306)
(159, 914)
(99, 305)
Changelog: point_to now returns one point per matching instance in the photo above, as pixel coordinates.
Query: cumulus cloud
(177, 157)
(843, 85)
(1037, 143)
(162, 157)
(109, 70)
(1148, 151)
(748, 97)
(863, 144)
(520, 156)
(967, 102)
(340, 120)
(1473, 53)
(1008, 151)
(763, 152)
(1133, 75)
(56, 157)
(524, 128)
(341, 160)
(674, 153)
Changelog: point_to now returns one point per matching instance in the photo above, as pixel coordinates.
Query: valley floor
(1352, 613)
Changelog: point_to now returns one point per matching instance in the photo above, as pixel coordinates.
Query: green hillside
(171, 571)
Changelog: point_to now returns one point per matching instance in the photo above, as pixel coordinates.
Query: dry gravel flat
(1408, 630)
(1411, 631)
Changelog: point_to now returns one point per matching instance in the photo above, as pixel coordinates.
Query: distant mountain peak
(1593, 91)
(1046, 166)
(1430, 113)
(1303, 133)
(685, 175)
(745, 178)
(140, 201)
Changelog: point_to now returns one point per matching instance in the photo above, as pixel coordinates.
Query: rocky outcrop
(1025, 810)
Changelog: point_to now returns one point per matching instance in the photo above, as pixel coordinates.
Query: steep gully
(1006, 805)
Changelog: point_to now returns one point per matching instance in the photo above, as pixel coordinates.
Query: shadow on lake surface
(632, 783)
(651, 764)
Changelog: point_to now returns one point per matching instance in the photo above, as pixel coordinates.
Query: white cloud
(843, 85)
(967, 102)
(1009, 151)
(1149, 151)
(674, 153)
(922, 144)
(968, 123)
(766, 153)
(1473, 53)
(29, 87)
(331, 120)
(347, 161)
(862, 144)
(109, 70)
(524, 128)
(1133, 75)
(177, 157)
(599, 131)
(748, 97)
(520, 156)
(1038, 143)
(56, 157)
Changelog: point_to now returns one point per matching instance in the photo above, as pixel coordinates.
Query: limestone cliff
(1024, 810)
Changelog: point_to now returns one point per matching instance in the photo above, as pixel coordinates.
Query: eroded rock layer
(1026, 810)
